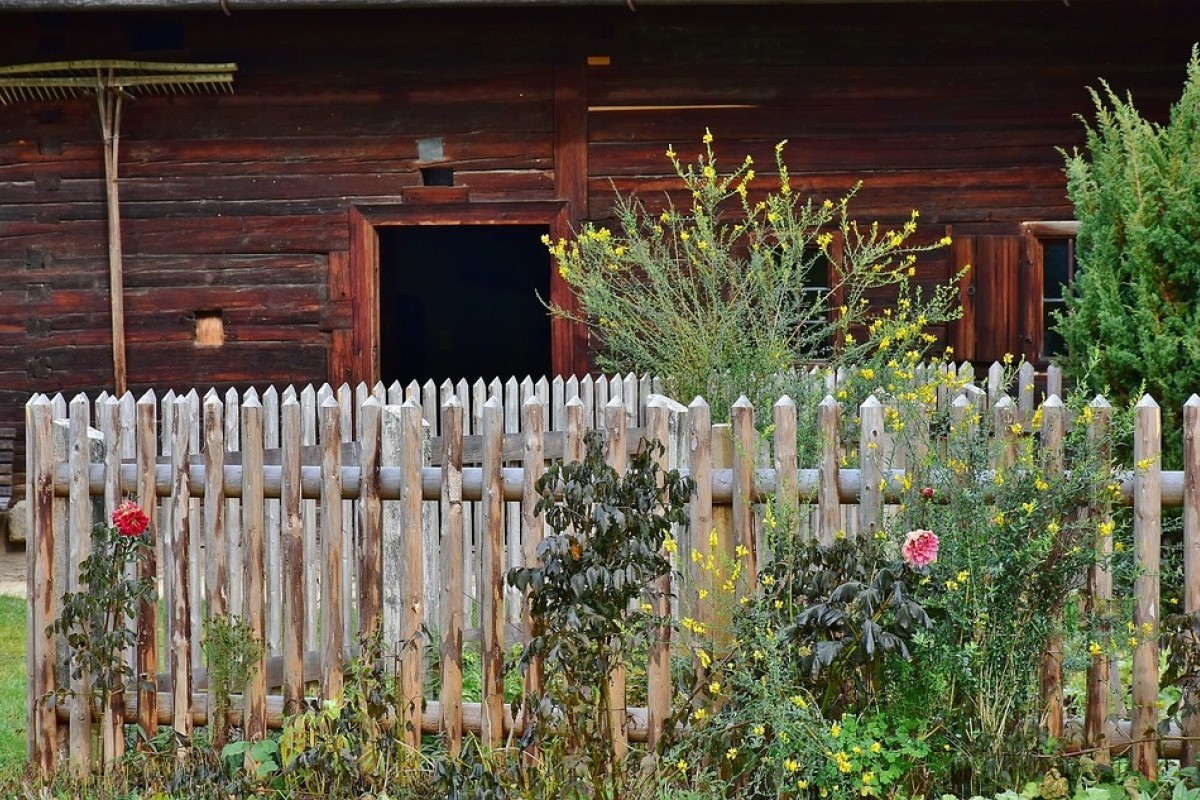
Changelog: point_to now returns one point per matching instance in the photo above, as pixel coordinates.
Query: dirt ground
(12, 571)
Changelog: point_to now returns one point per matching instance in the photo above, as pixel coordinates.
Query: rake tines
(64, 80)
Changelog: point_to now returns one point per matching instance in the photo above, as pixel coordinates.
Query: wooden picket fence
(317, 513)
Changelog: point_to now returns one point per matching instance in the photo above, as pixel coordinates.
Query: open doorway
(461, 301)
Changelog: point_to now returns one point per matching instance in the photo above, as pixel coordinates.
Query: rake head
(63, 80)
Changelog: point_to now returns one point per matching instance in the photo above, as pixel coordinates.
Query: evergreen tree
(1133, 315)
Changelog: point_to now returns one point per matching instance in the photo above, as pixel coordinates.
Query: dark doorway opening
(461, 301)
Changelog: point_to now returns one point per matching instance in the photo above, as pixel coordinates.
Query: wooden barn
(368, 202)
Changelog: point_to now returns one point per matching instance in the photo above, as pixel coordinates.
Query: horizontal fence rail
(318, 513)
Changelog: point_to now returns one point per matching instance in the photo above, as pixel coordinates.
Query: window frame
(1032, 283)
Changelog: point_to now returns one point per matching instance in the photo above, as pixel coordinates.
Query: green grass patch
(13, 611)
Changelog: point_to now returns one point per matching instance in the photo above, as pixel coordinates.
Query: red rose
(130, 519)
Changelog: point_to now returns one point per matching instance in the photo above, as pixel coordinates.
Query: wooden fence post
(235, 546)
(1147, 536)
(43, 655)
(452, 575)
(308, 514)
(870, 503)
(700, 463)
(272, 533)
(1054, 426)
(491, 589)
(392, 553)
(658, 671)
(1099, 596)
(533, 524)
(370, 517)
(787, 479)
(617, 421)
(147, 637)
(745, 446)
(294, 604)
(332, 621)
(254, 720)
(79, 449)
(177, 546)
(216, 548)
(412, 612)
(1191, 563)
(828, 500)
(108, 420)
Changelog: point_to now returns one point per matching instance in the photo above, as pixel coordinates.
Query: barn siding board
(235, 202)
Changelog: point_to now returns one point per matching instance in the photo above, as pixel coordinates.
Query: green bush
(1133, 312)
(721, 298)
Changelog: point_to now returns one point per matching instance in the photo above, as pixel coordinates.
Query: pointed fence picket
(317, 513)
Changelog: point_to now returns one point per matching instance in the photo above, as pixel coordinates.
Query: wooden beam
(568, 340)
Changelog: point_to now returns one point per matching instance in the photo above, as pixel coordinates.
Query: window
(1048, 271)
(822, 284)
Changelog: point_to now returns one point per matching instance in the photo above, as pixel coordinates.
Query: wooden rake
(111, 82)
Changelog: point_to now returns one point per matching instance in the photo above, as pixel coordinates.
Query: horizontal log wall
(236, 203)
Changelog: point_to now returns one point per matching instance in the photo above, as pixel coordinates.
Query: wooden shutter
(989, 327)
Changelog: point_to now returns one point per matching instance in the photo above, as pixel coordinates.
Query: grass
(12, 687)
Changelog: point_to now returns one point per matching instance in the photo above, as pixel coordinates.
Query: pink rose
(920, 548)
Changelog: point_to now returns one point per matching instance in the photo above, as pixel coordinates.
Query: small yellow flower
(708, 137)
(758, 730)
(704, 658)
(731, 754)
(768, 580)
(791, 765)
(699, 714)
(835, 730)
(682, 766)
(670, 545)
(1095, 649)
(876, 747)
(1119, 547)
(647, 608)
(1040, 484)
(799, 701)
(714, 687)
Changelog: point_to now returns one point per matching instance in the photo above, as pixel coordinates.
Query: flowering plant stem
(92, 618)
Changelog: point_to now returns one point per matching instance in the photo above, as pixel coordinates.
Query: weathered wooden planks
(335, 472)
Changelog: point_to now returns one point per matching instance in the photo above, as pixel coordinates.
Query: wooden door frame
(568, 340)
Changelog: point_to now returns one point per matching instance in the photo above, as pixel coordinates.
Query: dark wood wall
(240, 203)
